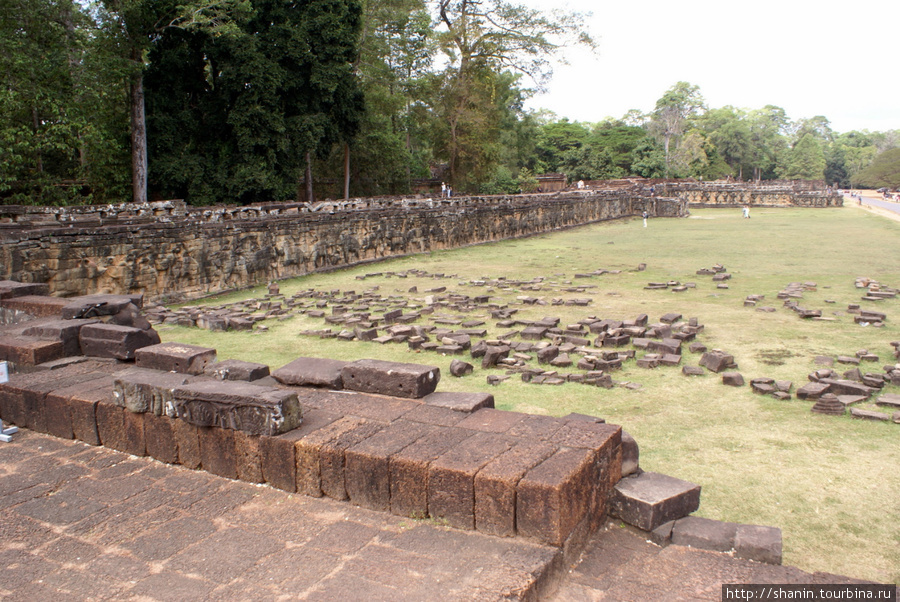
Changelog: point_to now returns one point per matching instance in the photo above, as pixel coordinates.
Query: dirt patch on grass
(775, 357)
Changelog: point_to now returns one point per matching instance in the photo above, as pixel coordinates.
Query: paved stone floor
(86, 523)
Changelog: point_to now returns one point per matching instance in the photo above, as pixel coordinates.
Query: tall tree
(242, 116)
(483, 37)
(673, 110)
(805, 161)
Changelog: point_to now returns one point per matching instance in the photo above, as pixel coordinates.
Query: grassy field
(832, 484)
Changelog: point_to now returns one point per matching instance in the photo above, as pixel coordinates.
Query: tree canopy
(241, 101)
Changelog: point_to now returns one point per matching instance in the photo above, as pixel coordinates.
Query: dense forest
(246, 101)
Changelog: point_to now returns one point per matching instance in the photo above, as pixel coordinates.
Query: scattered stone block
(459, 368)
(717, 361)
(733, 379)
(412, 381)
(889, 400)
(630, 455)
(648, 500)
(311, 372)
(813, 390)
(828, 404)
(869, 415)
(692, 371)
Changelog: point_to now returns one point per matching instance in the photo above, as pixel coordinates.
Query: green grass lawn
(832, 484)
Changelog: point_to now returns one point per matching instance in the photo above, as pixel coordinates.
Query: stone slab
(650, 499)
(460, 402)
(759, 543)
(704, 534)
(116, 342)
(141, 390)
(175, 357)
(238, 405)
(413, 381)
(237, 370)
(311, 372)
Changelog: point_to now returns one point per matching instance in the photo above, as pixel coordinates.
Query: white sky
(837, 59)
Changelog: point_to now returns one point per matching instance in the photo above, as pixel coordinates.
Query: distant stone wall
(737, 195)
(170, 250)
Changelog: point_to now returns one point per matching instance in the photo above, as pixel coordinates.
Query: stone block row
(499, 472)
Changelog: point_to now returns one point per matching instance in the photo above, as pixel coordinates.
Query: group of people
(446, 191)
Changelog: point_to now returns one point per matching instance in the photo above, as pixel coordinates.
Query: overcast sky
(826, 58)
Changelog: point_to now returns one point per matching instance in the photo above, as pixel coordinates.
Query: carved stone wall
(737, 195)
(167, 249)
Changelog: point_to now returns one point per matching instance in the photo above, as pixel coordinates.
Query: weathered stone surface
(141, 390)
(556, 495)
(451, 478)
(459, 368)
(175, 357)
(650, 499)
(460, 402)
(217, 451)
(812, 390)
(10, 289)
(239, 406)
(889, 400)
(311, 372)
(117, 342)
(159, 433)
(630, 455)
(332, 459)
(704, 533)
(692, 371)
(29, 351)
(64, 331)
(367, 464)
(390, 378)
(493, 354)
(847, 387)
(92, 306)
(828, 403)
(717, 361)
(733, 379)
(496, 482)
(869, 415)
(409, 470)
(237, 370)
(758, 543)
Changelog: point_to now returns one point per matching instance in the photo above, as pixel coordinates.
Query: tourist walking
(645, 215)
(746, 211)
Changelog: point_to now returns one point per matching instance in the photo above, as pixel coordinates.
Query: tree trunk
(346, 171)
(309, 181)
(138, 141)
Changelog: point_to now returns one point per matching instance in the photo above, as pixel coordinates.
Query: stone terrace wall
(166, 249)
(715, 194)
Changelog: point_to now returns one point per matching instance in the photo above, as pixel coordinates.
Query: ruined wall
(167, 249)
(737, 195)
